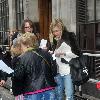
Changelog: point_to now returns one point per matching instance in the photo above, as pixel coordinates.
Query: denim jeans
(64, 86)
(59, 90)
(47, 95)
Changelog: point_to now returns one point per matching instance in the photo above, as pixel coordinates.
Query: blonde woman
(65, 47)
(32, 77)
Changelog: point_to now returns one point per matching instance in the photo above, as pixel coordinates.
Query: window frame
(19, 10)
(4, 22)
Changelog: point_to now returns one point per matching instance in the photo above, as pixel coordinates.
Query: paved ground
(5, 94)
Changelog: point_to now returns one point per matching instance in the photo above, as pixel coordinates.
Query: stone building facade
(64, 9)
(79, 16)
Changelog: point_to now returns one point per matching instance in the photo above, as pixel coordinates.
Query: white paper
(53, 56)
(43, 43)
(5, 68)
(64, 48)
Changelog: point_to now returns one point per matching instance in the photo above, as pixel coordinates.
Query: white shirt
(64, 69)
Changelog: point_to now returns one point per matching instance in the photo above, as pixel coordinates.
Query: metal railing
(4, 40)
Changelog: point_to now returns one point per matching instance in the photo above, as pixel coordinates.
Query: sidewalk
(5, 94)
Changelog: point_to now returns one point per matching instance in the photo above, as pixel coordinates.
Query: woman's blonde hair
(29, 40)
(16, 48)
(58, 23)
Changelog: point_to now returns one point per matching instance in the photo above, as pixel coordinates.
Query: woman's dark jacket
(31, 74)
(3, 75)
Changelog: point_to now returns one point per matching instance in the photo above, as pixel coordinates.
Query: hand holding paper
(64, 51)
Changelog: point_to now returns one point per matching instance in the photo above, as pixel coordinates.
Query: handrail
(91, 51)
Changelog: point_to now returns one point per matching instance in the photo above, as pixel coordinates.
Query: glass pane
(0, 9)
(21, 5)
(4, 20)
(19, 13)
(17, 6)
(18, 21)
(97, 9)
(7, 22)
(90, 10)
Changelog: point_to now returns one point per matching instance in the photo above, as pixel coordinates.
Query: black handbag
(78, 70)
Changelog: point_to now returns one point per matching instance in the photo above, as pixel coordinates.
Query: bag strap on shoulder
(42, 57)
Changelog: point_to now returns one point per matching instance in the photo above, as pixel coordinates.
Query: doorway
(45, 17)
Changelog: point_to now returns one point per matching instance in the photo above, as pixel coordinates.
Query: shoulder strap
(42, 57)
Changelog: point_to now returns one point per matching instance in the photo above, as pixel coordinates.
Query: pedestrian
(65, 46)
(3, 77)
(27, 26)
(32, 76)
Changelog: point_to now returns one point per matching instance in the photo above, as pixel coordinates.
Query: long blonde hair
(16, 48)
(58, 23)
(29, 40)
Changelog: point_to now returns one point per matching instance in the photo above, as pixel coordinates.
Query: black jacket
(31, 74)
(46, 55)
(71, 40)
(3, 75)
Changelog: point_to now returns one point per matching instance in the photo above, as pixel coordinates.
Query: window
(81, 11)
(98, 9)
(4, 21)
(88, 31)
(19, 13)
(93, 10)
(90, 10)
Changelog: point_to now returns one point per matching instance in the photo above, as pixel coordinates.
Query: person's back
(47, 56)
(32, 75)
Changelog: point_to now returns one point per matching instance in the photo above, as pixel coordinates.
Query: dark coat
(71, 40)
(31, 74)
(49, 59)
(3, 75)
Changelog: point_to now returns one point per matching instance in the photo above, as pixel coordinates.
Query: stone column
(12, 17)
(31, 10)
(56, 5)
(69, 16)
(66, 10)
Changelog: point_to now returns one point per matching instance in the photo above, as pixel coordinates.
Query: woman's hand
(59, 54)
(51, 52)
(2, 82)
